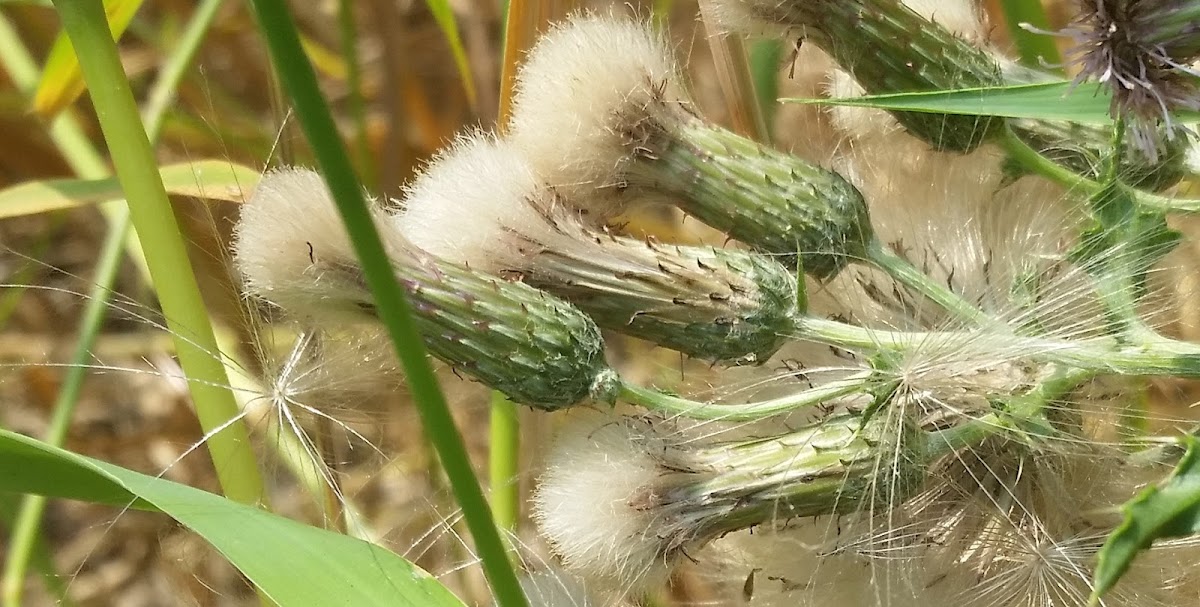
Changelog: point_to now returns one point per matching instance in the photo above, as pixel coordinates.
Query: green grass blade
(169, 266)
(293, 564)
(1035, 49)
(28, 522)
(312, 113)
(444, 15)
(1088, 103)
(207, 179)
(765, 56)
(162, 94)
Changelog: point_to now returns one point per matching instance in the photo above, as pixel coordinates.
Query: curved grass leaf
(294, 564)
(1086, 103)
(1171, 509)
(207, 179)
(62, 80)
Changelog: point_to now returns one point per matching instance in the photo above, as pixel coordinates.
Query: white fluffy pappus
(580, 89)
(479, 203)
(587, 502)
(290, 244)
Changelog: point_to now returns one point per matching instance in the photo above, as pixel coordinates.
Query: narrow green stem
(298, 79)
(154, 219)
(28, 520)
(1033, 161)
(504, 454)
(653, 400)
(162, 95)
(900, 269)
(1035, 49)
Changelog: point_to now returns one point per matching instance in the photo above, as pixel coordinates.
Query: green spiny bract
(841, 465)
(769, 199)
(535, 348)
(889, 48)
(713, 304)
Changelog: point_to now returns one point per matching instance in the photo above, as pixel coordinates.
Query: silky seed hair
(607, 72)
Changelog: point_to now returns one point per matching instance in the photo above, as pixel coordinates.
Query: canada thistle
(538, 350)
(481, 204)
(624, 499)
(600, 112)
(888, 48)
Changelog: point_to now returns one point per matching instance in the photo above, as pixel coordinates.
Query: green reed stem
(29, 518)
(348, 32)
(504, 455)
(300, 82)
(153, 217)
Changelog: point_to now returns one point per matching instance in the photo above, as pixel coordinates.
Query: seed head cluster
(937, 357)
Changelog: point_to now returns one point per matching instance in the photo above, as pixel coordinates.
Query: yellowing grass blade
(326, 61)
(62, 82)
(207, 179)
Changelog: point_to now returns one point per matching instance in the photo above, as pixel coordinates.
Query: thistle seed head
(582, 88)
(292, 249)
(482, 205)
(889, 48)
(677, 493)
(648, 143)
(537, 349)
(1143, 50)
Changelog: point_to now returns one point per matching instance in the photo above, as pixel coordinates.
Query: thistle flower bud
(599, 103)
(540, 351)
(889, 48)
(623, 499)
(481, 205)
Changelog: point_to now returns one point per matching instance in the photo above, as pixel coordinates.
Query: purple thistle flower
(1142, 49)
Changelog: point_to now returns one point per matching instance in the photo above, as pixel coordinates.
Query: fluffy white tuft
(580, 85)
(472, 203)
(288, 239)
(587, 502)
(481, 204)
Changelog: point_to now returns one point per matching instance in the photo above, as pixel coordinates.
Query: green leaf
(208, 179)
(1086, 103)
(1172, 509)
(294, 564)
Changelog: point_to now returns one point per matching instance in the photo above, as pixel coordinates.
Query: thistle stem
(659, 402)
(900, 269)
(1034, 161)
